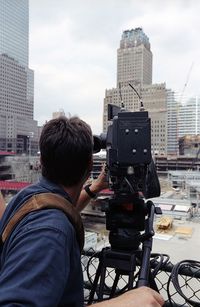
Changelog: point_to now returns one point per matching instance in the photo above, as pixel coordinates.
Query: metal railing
(179, 284)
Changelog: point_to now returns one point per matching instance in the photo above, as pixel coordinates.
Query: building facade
(183, 120)
(189, 116)
(18, 129)
(172, 123)
(134, 66)
(14, 29)
(134, 58)
(189, 145)
(58, 114)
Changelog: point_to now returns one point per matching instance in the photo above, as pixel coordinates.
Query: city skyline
(73, 52)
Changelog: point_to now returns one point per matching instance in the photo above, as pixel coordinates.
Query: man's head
(66, 150)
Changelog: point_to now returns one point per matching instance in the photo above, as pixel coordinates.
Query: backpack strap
(47, 201)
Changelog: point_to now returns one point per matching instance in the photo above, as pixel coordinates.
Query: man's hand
(140, 297)
(96, 186)
(101, 182)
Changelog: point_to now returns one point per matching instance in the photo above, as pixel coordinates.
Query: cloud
(73, 50)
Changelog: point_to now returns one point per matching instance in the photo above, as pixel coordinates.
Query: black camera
(131, 172)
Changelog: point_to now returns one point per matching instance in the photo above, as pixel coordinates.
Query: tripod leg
(95, 283)
(130, 280)
(102, 282)
(131, 272)
(152, 282)
(113, 290)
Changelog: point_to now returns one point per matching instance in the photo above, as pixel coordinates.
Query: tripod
(124, 262)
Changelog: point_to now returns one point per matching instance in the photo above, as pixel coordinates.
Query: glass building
(16, 79)
(14, 29)
(189, 116)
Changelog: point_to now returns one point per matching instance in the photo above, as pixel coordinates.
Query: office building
(189, 145)
(134, 58)
(134, 66)
(188, 116)
(183, 120)
(58, 114)
(18, 129)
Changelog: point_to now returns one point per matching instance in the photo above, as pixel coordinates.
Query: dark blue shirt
(40, 261)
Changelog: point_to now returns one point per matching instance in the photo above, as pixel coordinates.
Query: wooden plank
(184, 230)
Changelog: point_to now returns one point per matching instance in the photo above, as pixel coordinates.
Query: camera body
(131, 173)
(128, 146)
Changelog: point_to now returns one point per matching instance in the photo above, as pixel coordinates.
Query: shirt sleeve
(36, 267)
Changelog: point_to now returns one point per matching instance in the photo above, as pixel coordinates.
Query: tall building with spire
(134, 66)
(17, 127)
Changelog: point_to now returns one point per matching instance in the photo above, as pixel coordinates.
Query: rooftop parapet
(133, 38)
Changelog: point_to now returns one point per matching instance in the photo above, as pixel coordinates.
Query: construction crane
(180, 102)
(186, 82)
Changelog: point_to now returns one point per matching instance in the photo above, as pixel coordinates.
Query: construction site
(176, 240)
(177, 230)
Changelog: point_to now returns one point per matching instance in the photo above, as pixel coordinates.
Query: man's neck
(73, 192)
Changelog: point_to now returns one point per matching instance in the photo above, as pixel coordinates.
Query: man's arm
(140, 297)
(97, 185)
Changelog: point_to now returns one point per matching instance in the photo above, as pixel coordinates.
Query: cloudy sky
(73, 50)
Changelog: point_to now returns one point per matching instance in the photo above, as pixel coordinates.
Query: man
(40, 260)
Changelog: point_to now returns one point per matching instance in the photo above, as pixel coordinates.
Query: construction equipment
(180, 102)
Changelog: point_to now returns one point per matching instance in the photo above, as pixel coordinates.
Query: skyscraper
(189, 116)
(17, 125)
(183, 119)
(14, 29)
(134, 58)
(134, 66)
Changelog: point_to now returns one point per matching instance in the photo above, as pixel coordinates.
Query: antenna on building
(140, 99)
(120, 94)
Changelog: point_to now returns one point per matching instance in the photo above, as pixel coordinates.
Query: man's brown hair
(66, 150)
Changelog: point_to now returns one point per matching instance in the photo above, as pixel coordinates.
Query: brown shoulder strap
(47, 201)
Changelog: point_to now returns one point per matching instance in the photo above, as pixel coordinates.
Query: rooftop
(13, 185)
